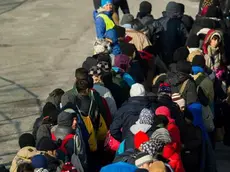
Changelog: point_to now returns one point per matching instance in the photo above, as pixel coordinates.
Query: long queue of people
(154, 97)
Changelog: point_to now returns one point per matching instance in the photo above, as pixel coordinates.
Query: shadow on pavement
(9, 5)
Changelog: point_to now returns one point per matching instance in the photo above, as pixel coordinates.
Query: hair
(161, 119)
(81, 73)
(216, 37)
(25, 167)
(82, 85)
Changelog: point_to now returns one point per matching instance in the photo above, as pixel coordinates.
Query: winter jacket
(170, 153)
(102, 33)
(176, 81)
(24, 155)
(191, 138)
(43, 131)
(172, 37)
(107, 95)
(127, 115)
(135, 128)
(139, 39)
(37, 124)
(72, 95)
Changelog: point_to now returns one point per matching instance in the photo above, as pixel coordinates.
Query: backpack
(205, 84)
(62, 152)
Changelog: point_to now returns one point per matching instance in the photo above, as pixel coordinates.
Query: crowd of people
(154, 96)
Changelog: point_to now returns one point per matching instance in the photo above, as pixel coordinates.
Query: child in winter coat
(214, 54)
(172, 150)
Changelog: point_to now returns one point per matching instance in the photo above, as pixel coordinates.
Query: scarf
(213, 62)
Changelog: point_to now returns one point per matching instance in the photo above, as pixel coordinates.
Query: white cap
(137, 90)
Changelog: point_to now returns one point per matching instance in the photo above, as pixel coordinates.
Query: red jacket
(172, 150)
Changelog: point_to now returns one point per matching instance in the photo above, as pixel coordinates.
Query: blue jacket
(119, 166)
(126, 77)
(110, 34)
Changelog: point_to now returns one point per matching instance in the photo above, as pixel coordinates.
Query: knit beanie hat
(39, 161)
(146, 117)
(163, 110)
(106, 2)
(164, 88)
(193, 41)
(26, 139)
(137, 90)
(176, 97)
(184, 67)
(198, 60)
(127, 19)
(180, 54)
(161, 135)
(46, 144)
(145, 7)
(95, 71)
(140, 138)
(101, 46)
(152, 147)
(50, 112)
(143, 158)
(104, 66)
(65, 118)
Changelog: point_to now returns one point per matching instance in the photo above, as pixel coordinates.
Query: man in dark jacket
(181, 82)
(128, 114)
(174, 34)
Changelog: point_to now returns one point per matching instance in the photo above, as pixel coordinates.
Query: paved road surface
(41, 44)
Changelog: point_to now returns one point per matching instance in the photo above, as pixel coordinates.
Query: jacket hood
(177, 78)
(209, 35)
(62, 131)
(140, 127)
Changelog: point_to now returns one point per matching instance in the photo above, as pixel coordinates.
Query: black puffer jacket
(176, 79)
(127, 115)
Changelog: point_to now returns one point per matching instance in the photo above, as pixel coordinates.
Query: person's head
(127, 19)
(25, 167)
(173, 9)
(157, 141)
(55, 97)
(215, 40)
(165, 111)
(50, 113)
(180, 54)
(193, 41)
(161, 121)
(198, 61)
(68, 118)
(39, 161)
(212, 11)
(26, 139)
(120, 32)
(145, 7)
(139, 139)
(83, 87)
(95, 72)
(184, 67)
(47, 145)
(107, 5)
(137, 90)
(146, 117)
(180, 101)
(165, 89)
(182, 8)
(82, 74)
(143, 160)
